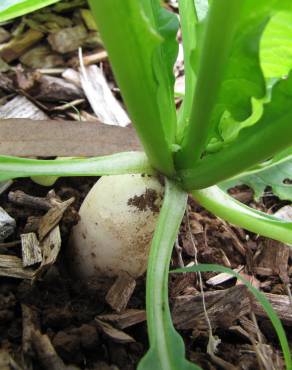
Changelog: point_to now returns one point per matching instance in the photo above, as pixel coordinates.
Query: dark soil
(65, 308)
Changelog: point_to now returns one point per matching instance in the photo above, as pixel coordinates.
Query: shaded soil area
(69, 318)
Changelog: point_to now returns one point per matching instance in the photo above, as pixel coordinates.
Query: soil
(65, 308)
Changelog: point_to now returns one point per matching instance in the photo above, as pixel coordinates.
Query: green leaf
(224, 206)
(166, 346)
(116, 164)
(229, 90)
(274, 177)
(10, 9)
(255, 144)
(132, 43)
(276, 46)
(258, 295)
(217, 42)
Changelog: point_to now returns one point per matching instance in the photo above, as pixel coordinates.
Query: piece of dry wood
(125, 319)
(50, 246)
(52, 218)
(46, 352)
(113, 333)
(7, 225)
(18, 108)
(273, 260)
(223, 277)
(280, 303)
(30, 323)
(121, 291)
(7, 362)
(224, 307)
(19, 45)
(102, 101)
(11, 266)
(57, 89)
(24, 137)
(31, 251)
(22, 199)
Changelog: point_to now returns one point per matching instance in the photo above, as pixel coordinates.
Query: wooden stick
(25, 138)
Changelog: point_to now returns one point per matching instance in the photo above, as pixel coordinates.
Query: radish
(117, 222)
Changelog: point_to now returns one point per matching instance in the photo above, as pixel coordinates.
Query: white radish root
(117, 223)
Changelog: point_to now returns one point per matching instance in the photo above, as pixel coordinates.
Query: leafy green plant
(235, 120)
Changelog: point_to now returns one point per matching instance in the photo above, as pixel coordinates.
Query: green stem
(254, 145)
(116, 164)
(222, 19)
(131, 41)
(224, 206)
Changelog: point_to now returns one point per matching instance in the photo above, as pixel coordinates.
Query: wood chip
(31, 252)
(121, 291)
(4, 35)
(11, 266)
(21, 137)
(5, 185)
(20, 198)
(7, 362)
(68, 39)
(18, 107)
(57, 89)
(126, 319)
(222, 277)
(52, 218)
(281, 304)
(7, 225)
(102, 101)
(41, 57)
(223, 307)
(51, 246)
(273, 259)
(113, 333)
(19, 45)
(46, 353)
(30, 323)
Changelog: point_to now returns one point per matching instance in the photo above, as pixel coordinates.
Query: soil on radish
(66, 309)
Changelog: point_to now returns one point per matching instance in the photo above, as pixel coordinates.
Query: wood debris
(4, 35)
(222, 277)
(7, 225)
(11, 266)
(25, 138)
(68, 39)
(20, 198)
(273, 259)
(51, 247)
(7, 362)
(52, 218)
(121, 291)
(31, 251)
(280, 303)
(41, 57)
(30, 323)
(20, 107)
(115, 334)
(57, 89)
(125, 319)
(102, 101)
(17, 46)
(46, 353)
(223, 308)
